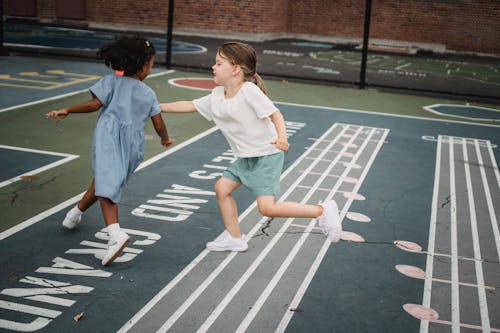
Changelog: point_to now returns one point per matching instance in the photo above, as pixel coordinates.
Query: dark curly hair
(128, 54)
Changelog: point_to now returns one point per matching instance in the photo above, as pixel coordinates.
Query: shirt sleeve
(260, 103)
(155, 107)
(103, 89)
(204, 106)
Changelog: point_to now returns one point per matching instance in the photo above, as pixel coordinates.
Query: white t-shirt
(243, 119)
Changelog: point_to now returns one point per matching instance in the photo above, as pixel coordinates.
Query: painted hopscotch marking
(466, 188)
(200, 298)
(65, 158)
(49, 80)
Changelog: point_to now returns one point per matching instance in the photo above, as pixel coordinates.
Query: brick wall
(460, 25)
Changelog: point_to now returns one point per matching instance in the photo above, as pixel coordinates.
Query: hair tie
(254, 75)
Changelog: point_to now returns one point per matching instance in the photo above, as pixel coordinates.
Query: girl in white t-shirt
(255, 130)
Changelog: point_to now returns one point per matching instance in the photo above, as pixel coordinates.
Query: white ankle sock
(75, 211)
(114, 230)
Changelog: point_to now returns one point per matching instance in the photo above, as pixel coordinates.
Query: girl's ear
(236, 70)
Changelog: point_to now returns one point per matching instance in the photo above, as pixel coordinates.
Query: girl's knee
(266, 209)
(221, 189)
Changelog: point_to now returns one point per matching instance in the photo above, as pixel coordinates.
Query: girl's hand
(281, 144)
(167, 142)
(58, 115)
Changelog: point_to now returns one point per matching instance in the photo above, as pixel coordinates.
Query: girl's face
(223, 70)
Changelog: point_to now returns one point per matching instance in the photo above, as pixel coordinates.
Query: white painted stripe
(54, 98)
(180, 311)
(455, 298)
(474, 327)
(69, 157)
(473, 285)
(29, 309)
(424, 324)
(265, 252)
(76, 198)
(494, 162)
(288, 261)
(319, 258)
(158, 297)
(483, 305)
(489, 201)
(387, 114)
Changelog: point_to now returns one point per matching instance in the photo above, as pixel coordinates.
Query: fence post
(170, 26)
(364, 53)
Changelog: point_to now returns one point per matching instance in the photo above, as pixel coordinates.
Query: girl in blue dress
(118, 144)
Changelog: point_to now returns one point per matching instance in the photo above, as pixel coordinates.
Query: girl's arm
(161, 130)
(281, 141)
(90, 106)
(178, 107)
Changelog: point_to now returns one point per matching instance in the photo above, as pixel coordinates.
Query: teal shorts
(259, 174)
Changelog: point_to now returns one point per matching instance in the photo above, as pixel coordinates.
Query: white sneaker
(329, 221)
(226, 242)
(115, 247)
(71, 220)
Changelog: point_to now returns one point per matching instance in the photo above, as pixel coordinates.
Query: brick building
(471, 26)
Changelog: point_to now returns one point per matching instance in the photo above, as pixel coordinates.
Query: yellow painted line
(37, 74)
(61, 72)
(10, 78)
(49, 84)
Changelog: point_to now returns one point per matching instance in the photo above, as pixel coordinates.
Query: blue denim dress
(118, 143)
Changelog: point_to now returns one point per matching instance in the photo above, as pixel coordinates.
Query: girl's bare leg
(88, 199)
(109, 210)
(270, 208)
(228, 208)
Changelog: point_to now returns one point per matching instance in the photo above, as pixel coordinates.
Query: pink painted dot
(358, 217)
(352, 237)
(408, 246)
(350, 145)
(421, 312)
(350, 180)
(353, 196)
(346, 154)
(351, 165)
(411, 271)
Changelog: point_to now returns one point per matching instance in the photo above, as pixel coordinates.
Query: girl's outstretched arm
(90, 106)
(161, 130)
(178, 107)
(281, 141)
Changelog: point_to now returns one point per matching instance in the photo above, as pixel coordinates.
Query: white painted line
(483, 305)
(431, 108)
(66, 95)
(455, 288)
(67, 158)
(76, 198)
(255, 308)
(265, 252)
(388, 114)
(319, 258)
(489, 201)
(494, 163)
(175, 84)
(141, 313)
(168, 324)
